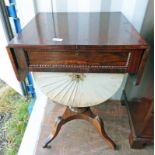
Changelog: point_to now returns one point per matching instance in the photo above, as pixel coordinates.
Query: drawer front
(78, 58)
(72, 60)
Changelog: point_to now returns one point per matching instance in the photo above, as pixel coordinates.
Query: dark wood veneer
(77, 58)
(106, 42)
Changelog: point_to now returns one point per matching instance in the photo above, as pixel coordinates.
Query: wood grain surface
(100, 42)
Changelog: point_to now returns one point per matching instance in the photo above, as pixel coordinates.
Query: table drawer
(105, 58)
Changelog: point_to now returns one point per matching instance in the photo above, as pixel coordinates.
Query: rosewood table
(79, 44)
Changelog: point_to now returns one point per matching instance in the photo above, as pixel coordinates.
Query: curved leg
(98, 123)
(54, 132)
(60, 121)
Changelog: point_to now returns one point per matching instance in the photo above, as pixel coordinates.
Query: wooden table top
(99, 29)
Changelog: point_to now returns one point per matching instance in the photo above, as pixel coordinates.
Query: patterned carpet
(78, 137)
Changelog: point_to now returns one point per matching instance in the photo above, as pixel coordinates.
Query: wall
(25, 11)
(134, 10)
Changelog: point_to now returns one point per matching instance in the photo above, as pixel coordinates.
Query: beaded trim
(55, 66)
